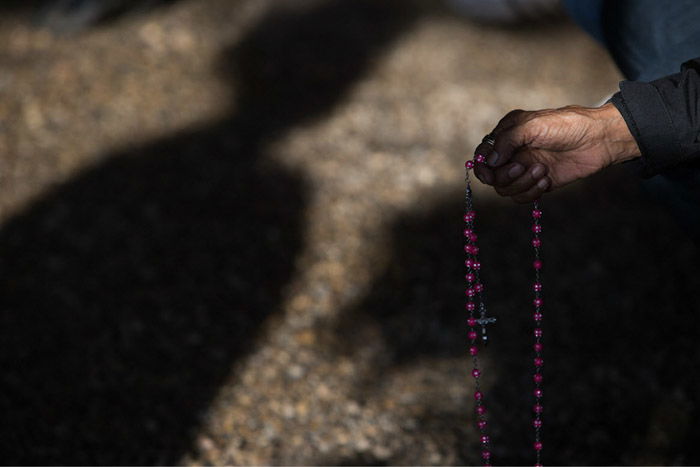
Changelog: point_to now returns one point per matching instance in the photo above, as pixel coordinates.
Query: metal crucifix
(483, 321)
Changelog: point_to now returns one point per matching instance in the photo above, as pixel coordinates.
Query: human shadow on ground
(621, 364)
(130, 291)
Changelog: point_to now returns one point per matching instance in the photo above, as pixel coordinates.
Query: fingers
(505, 175)
(510, 179)
(513, 180)
(484, 149)
(510, 119)
(508, 142)
(495, 156)
(512, 133)
(482, 171)
(535, 192)
(484, 174)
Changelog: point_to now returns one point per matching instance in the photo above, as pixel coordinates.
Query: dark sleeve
(664, 118)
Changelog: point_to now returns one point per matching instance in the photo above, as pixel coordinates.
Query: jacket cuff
(645, 113)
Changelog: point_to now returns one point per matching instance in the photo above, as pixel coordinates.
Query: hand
(543, 150)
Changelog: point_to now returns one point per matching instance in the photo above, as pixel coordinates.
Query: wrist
(617, 139)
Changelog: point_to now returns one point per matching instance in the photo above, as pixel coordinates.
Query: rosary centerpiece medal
(478, 320)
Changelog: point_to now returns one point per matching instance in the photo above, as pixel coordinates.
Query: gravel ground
(231, 235)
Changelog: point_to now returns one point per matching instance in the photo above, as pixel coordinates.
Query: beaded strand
(475, 301)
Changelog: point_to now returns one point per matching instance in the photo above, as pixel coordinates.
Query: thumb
(508, 142)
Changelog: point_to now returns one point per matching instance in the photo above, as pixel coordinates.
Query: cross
(483, 322)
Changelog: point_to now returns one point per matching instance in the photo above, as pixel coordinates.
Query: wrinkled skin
(539, 151)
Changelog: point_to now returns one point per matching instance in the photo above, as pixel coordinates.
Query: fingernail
(543, 183)
(493, 159)
(515, 171)
(538, 171)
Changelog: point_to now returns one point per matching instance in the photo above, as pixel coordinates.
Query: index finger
(509, 120)
(483, 171)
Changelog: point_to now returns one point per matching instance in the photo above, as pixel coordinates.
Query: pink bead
(469, 249)
(480, 158)
(476, 373)
(537, 316)
(486, 454)
(536, 242)
(537, 264)
(537, 287)
(484, 439)
(470, 277)
(480, 409)
(472, 214)
(479, 287)
(538, 346)
(478, 395)
(468, 232)
(538, 378)
(536, 213)
(537, 423)
(537, 302)
(468, 218)
(482, 424)
(538, 361)
(471, 322)
(470, 292)
(538, 332)
(472, 335)
(469, 263)
(473, 238)
(538, 408)
(537, 446)
(475, 250)
(470, 306)
(537, 392)
(469, 164)
(473, 350)
(537, 228)
(539, 465)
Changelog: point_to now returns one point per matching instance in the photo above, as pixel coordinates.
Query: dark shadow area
(621, 287)
(129, 292)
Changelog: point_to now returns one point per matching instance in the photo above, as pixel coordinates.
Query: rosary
(475, 303)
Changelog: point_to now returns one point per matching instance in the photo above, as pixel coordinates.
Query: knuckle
(509, 119)
(514, 114)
